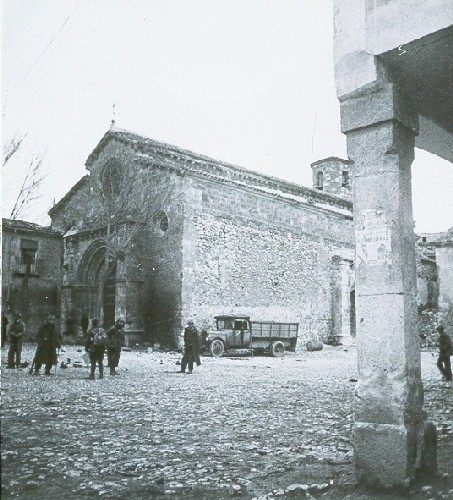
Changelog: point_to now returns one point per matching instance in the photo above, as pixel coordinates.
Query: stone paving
(247, 427)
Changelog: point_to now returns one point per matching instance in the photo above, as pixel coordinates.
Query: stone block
(382, 455)
(376, 104)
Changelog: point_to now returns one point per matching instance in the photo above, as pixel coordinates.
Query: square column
(390, 427)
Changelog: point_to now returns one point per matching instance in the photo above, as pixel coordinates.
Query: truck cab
(232, 332)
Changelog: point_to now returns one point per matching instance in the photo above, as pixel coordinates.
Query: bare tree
(33, 178)
(125, 203)
(11, 147)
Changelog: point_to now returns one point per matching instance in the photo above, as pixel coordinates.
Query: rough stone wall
(427, 287)
(43, 283)
(248, 253)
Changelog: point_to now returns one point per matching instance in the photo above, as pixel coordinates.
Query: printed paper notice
(373, 238)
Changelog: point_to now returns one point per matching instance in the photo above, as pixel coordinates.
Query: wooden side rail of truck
(238, 332)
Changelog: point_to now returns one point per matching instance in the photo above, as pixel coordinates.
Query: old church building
(157, 234)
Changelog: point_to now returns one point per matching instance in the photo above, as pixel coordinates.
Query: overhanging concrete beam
(434, 139)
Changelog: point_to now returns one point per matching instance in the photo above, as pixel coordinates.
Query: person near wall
(95, 343)
(48, 341)
(5, 323)
(445, 351)
(191, 347)
(115, 341)
(84, 323)
(16, 334)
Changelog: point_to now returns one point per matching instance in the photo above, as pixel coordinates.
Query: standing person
(445, 351)
(5, 322)
(115, 340)
(84, 323)
(191, 347)
(15, 335)
(95, 343)
(48, 342)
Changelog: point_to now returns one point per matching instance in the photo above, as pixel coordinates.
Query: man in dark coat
(48, 342)
(115, 341)
(95, 342)
(445, 351)
(191, 347)
(15, 335)
(84, 323)
(5, 322)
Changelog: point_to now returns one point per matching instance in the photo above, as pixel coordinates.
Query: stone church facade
(201, 238)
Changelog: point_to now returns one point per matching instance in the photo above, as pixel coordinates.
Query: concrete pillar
(390, 427)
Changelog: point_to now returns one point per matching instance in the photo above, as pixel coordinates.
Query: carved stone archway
(98, 280)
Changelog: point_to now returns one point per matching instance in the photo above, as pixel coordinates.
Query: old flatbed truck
(238, 332)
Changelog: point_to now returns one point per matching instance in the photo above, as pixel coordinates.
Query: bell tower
(333, 176)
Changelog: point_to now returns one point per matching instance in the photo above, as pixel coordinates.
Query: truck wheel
(277, 349)
(217, 348)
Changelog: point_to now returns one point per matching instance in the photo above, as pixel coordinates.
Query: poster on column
(373, 238)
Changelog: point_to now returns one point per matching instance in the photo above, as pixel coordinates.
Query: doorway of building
(109, 296)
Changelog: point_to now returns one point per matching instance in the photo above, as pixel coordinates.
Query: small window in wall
(28, 249)
(345, 179)
(160, 223)
(423, 239)
(319, 181)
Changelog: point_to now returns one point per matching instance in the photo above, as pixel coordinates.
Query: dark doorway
(352, 313)
(109, 296)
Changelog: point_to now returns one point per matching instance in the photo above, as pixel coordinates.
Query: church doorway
(97, 276)
(109, 296)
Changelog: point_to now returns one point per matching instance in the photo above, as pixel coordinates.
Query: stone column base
(390, 456)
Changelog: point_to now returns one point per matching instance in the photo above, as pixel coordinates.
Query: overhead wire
(31, 71)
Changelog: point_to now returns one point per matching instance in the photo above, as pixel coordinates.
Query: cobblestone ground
(251, 427)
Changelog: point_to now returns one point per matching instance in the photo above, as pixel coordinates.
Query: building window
(345, 179)
(160, 223)
(319, 181)
(28, 257)
(28, 249)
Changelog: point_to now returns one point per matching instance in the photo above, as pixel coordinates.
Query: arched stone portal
(98, 282)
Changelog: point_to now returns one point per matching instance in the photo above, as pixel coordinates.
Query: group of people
(48, 340)
(97, 340)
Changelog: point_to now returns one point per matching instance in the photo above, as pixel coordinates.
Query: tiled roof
(446, 238)
(23, 225)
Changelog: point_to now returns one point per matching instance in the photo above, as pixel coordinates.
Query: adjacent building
(31, 271)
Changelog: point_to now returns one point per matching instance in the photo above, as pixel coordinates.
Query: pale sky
(249, 82)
